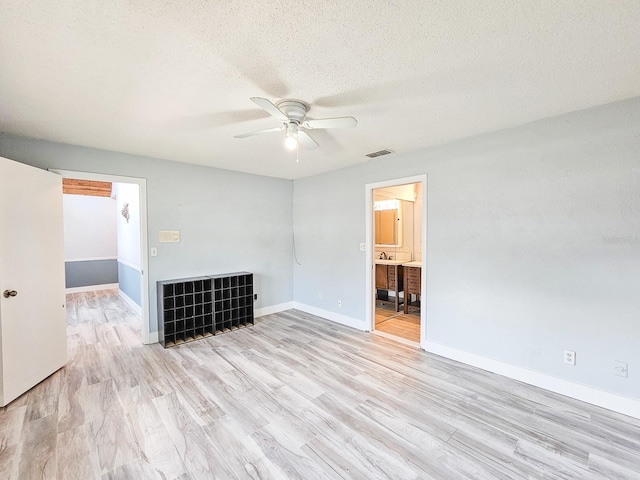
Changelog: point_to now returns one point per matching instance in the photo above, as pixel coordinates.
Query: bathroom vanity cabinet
(412, 284)
(389, 276)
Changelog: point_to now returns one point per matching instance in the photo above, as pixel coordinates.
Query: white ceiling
(172, 80)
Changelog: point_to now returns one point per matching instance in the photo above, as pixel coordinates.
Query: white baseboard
(594, 396)
(334, 317)
(136, 308)
(153, 338)
(92, 288)
(281, 307)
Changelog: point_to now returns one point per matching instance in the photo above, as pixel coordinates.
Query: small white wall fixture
(370, 263)
(144, 277)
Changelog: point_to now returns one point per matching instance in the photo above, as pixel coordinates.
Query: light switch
(154, 252)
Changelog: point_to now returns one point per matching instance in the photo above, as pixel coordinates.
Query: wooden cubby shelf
(193, 308)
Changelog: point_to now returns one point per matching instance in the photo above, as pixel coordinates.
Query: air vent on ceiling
(379, 153)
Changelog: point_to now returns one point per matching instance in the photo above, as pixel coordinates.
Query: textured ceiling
(172, 80)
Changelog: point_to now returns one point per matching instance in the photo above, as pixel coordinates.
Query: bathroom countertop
(415, 263)
(389, 262)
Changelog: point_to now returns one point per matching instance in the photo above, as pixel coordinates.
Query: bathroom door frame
(370, 243)
(147, 338)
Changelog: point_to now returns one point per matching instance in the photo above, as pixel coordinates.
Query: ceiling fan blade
(340, 122)
(258, 132)
(270, 108)
(306, 141)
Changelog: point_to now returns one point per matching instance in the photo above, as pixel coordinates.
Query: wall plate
(621, 369)
(169, 236)
(569, 357)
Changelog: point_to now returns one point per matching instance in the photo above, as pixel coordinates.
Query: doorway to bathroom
(397, 258)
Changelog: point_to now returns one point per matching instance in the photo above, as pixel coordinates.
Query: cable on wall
(293, 229)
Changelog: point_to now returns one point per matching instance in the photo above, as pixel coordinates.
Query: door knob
(9, 293)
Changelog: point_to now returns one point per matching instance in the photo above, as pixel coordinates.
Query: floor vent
(379, 153)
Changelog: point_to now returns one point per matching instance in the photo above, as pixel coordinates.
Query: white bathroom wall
(417, 224)
(411, 220)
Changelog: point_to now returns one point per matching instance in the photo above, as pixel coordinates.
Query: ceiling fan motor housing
(294, 109)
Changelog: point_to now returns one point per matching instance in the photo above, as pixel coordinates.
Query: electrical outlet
(363, 247)
(320, 296)
(569, 357)
(255, 296)
(340, 303)
(621, 369)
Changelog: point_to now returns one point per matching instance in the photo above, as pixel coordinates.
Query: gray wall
(229, 221)
(533, 243)
(90, 272)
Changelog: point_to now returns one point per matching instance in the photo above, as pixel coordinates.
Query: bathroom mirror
(388, 223)
(386, 227)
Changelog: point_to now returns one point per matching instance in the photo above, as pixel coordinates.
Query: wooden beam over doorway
(86, 187)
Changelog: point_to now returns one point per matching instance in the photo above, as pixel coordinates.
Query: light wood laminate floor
(399, 324)
(294, 396)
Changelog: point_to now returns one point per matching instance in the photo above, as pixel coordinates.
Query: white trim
(334, 317)
(130, 265)
(611, 401)
(70, 260)
(281, 307)
(153, 337)
(137, 308)
(144, 243)
(370, 263)
(91, 288)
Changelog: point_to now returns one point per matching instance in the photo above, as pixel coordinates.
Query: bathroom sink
(389, 262)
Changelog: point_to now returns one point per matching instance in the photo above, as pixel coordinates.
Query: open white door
(33, 338)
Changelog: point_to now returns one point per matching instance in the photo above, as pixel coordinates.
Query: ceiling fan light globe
(291, 143)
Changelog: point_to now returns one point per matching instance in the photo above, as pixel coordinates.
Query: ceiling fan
(293, 114)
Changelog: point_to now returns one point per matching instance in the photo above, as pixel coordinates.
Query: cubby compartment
(194, 308)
